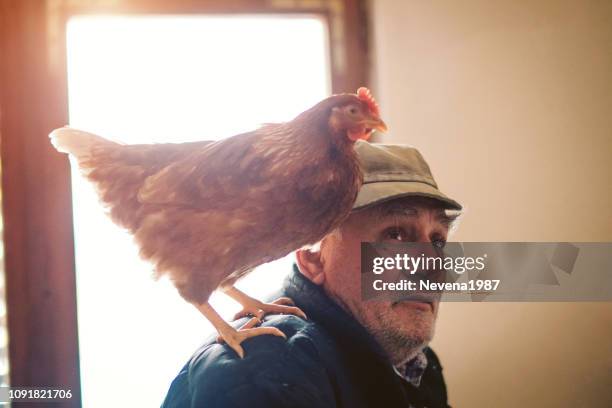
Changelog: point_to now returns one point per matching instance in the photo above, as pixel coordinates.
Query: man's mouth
(419, 301)
(420, 304)
(424, 306)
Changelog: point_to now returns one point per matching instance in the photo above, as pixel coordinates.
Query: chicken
(206, 213)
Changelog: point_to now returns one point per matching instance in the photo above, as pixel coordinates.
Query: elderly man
(350, 352)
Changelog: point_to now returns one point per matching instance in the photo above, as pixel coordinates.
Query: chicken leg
(250, 307)
(234, 337)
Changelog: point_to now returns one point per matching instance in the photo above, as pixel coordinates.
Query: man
(350, 352)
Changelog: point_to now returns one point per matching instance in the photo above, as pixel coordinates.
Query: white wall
(511, 104)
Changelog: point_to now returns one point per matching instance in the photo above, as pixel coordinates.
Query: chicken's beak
(366, 127)
(376, 124)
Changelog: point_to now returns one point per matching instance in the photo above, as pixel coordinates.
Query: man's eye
(439, 243)
(396, 234)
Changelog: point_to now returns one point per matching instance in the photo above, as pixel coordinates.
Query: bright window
(170, 79)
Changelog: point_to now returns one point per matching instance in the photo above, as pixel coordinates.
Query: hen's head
(354, 116)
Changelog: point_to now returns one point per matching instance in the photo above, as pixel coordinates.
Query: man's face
(400, 327)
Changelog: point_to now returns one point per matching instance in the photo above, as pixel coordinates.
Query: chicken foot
(234, 337)
(258, 309)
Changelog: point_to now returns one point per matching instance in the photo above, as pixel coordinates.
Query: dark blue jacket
(327, 361)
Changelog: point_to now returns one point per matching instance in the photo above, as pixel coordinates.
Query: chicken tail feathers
(76, 142)
(104, 164)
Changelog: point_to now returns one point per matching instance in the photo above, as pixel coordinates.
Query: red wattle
(357, 134)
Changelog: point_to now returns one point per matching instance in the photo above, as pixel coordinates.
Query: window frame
(36, 185)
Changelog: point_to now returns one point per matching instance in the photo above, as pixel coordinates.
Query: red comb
(364, 94)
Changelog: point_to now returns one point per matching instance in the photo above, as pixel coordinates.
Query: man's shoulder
(272, 365)
(302, 339)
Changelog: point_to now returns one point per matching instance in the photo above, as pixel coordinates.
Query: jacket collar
(318, 306)
(364, 358)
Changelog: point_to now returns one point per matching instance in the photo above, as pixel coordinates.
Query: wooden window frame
(36, 185)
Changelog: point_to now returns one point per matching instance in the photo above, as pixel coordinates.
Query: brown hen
(207, 213)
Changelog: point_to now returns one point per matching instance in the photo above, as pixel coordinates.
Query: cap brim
(380, 191)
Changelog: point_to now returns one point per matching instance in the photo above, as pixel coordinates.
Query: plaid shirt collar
(413, 370)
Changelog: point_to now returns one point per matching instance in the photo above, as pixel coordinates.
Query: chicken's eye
(352, 110)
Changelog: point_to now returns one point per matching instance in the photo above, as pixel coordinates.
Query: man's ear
(310, 265)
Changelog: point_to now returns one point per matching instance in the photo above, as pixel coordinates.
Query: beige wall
(511, 103)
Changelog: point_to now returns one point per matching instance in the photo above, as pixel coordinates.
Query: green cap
(394, 171)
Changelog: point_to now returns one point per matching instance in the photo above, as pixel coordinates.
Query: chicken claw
(234, 337)
(258, 309)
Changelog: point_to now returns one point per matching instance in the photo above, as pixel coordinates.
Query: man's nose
(423, 235)
(428, 248)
